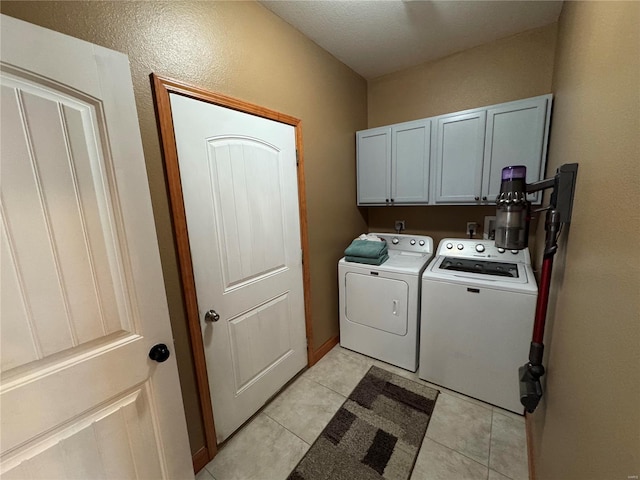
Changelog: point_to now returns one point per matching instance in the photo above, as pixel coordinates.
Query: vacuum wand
(512, 222)
(530, 373)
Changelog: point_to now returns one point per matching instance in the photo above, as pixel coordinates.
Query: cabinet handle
(477, 198)
(484, 198)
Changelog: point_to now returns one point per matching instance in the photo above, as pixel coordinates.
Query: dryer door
(377, 302)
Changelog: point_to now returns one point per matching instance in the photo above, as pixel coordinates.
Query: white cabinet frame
(517, 134)
(410, 162)
(460, 150)
(373, 153)
(455, 158)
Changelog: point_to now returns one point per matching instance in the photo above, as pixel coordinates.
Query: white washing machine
(478, 308)
(380, 304)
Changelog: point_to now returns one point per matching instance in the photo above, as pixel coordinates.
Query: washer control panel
(407, 243)
(472, 248)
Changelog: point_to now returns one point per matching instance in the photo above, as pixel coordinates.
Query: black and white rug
(376, 434)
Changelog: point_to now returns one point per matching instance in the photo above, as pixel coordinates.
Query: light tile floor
(466, 438)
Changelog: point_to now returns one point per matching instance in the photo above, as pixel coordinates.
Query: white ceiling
(376, 37)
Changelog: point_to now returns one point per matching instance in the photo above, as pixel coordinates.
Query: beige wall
(512, 68)
(239, 49)
(588, 425)
(516, 67)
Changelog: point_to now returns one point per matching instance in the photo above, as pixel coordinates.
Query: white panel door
(373, 152)
(411, 151)
(516, 135)
(239, 182)
(82, 298)
(460, 151)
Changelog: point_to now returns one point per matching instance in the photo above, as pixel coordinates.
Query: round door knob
(159, 353)
(211, 316)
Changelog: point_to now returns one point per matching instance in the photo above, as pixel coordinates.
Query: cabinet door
(374, 165)
(411, 147)
(516, 135)
(460, 149)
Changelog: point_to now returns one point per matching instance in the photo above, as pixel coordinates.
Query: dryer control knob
(515, 252)
(460, 246)
(449, 246)
(500, 250)
(395, 240)
(479, 248)
(412, 242)
(421, 242)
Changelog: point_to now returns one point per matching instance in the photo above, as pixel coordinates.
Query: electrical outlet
(489, 232)
(472, 229)
(400, 225)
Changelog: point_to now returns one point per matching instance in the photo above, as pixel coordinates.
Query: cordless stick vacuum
(512, 232)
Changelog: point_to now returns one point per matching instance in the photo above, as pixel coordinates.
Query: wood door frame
(162, 87)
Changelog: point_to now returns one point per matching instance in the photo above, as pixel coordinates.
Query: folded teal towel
(369, 261)
(366, 248)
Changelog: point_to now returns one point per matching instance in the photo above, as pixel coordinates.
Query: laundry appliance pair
(464, 316)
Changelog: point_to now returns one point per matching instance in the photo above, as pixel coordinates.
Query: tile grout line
(292, 433)
(334, 391)
(490, 438)
(456, 451)
(329, 388)
(210, 474)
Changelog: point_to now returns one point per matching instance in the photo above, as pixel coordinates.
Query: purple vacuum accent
(517, 172)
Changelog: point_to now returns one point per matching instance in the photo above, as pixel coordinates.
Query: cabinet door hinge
(297, 158)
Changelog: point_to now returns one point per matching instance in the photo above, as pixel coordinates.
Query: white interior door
(239, 182)
(82, 299)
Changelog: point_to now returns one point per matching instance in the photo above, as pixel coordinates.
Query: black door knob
(159, 353)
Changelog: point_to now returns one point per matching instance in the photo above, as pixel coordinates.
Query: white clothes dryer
(380, 304)
(478, 308)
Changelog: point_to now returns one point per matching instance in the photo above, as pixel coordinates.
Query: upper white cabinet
(516, 135)
(410, 153)
(470, 149)
(393, 164)
(474, 146)
(373, 152)
(460, 150)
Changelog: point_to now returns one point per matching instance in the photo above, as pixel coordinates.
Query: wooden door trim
(162, 87)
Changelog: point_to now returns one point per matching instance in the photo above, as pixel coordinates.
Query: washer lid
(524, 282)
(482, 267)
